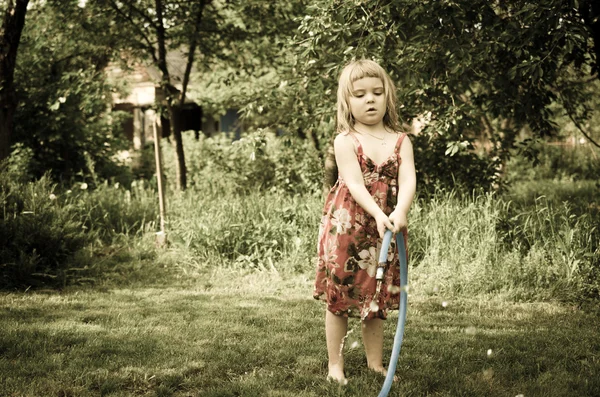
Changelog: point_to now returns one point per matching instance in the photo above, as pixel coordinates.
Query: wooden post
(161, 237)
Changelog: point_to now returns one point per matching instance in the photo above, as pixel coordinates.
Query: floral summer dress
(348, 244)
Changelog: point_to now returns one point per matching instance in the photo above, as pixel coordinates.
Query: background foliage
(490, 84)
(62, 123)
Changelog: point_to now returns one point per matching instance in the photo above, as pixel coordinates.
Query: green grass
(581, 195)
(226, 309)
(260, 334)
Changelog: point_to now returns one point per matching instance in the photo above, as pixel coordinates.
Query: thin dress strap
(357, 142)
(399, 143)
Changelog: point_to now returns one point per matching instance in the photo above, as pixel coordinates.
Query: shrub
(259, 160)
(45, 232)
(40, 239)
(557, 162)
(463, 171)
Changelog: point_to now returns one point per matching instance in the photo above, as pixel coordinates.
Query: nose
(370, 98)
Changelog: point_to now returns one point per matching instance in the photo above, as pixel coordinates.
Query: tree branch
(143, 15)
(162, 49)
(581, 129)
(192, 50)
(149, 47)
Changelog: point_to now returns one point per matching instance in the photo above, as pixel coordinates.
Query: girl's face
(367, 101)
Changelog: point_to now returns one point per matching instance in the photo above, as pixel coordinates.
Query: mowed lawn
(261, 334)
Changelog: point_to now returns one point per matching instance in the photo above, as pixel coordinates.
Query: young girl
(374, 191)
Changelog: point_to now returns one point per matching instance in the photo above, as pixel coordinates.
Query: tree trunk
(175, 112)
(175, 117)
(10, 36)
(170, 93)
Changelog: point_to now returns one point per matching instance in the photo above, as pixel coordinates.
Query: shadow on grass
(247, 340)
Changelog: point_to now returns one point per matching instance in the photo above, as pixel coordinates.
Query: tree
(480, 72)
(62, 121)
(10, 36)
(147, 29)
(215, 32)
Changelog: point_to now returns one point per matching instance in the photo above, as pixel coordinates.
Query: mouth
(371, 110)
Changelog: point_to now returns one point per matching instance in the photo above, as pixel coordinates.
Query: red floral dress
(348, 244)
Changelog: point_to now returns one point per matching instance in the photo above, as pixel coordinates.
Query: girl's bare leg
(372, 334)
(335, 331)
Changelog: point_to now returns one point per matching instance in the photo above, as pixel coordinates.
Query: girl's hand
(399, 221)
(383, 224)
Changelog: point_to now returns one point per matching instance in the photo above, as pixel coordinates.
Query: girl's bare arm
(407, 185)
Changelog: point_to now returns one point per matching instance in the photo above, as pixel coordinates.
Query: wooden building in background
(144, 90)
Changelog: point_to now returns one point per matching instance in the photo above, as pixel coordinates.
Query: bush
(463, 171)
(63, 117)
(258, 161)
(557, 162)
(40, 238)
(47, 233)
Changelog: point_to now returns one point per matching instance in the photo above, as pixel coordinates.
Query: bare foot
(382, 371)
(336, 374)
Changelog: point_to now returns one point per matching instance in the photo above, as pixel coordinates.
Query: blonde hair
(357, 70)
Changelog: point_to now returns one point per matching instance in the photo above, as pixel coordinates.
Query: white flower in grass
(488, 373)
(367, 260)
(471, 330)
(444, 304)
(52, 196)
(83, 186)
(341, 219)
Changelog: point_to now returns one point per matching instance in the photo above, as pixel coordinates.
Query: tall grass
(458, 245)
(238, 214)
(480, 244)
(519, 244)
(255, 230)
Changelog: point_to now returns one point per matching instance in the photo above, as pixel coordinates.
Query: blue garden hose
(387, 239)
